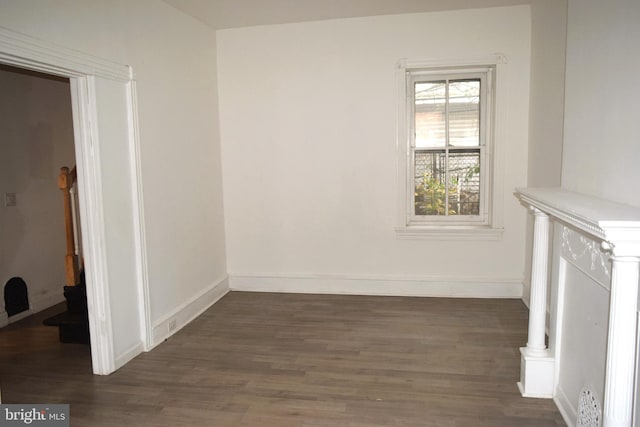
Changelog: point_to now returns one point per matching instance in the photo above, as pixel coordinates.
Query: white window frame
(488, 224)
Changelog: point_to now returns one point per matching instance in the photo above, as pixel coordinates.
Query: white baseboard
(43, 301)
(567, 410)
(37, 303)
(526, 297)
(129, 354)
(384, 286)
(184, 314)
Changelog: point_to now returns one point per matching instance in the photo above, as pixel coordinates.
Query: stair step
(72, 327)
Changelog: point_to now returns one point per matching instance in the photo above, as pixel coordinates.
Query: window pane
(464, 112)
(430, 114)
(464, 182)
(430, 194)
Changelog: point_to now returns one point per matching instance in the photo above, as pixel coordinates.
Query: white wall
(602, 130)
(37, 139)
(173, 57)
(308, 128)
(548, 51)
(600, 156)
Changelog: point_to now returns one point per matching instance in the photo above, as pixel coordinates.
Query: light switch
(9, 199)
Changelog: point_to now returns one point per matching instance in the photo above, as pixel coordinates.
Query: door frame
(81, 69)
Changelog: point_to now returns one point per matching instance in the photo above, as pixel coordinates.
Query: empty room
(322, 213)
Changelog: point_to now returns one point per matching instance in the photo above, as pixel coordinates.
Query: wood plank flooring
(285, 360)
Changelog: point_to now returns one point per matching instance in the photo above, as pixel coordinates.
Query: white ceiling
(220, 14)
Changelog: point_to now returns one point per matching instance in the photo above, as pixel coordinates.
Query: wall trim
(139, 224)
(448, 287)
(82, 69)
(187, 312)
(23, 51)
(88, 163)
(43, 301)
(567, 410)
(128, 355)
(37, 303)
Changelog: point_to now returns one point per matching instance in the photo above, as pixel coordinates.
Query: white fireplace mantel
(617, 227)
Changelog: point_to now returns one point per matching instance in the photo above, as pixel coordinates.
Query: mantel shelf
(615, 223)
(618, 227)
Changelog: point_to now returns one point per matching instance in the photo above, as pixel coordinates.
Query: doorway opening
(103, 102)
(38, 147)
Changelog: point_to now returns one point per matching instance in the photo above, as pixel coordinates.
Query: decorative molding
(615, 224)
(587, 255)
(621, 343)
(380, 285)
(31, 53)
(139, 221)
(538, 291)
(589, 412)
(25, 51)
(492, 59)
(185, 313)
(618, 227)
(536, 373)
(88, 164)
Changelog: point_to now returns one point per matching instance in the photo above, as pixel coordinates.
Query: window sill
(449, 232)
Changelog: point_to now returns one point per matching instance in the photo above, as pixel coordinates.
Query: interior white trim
(565, 407)
(37, 303)
(43, 301)
(494, 154)
(139, 224)
(445, 232)
(4, 319)
(128, 355)
(186, 312)
(461, 287)
(91, 215)
(19, 316)
(25, 51)
(496, 58)
(616, 228)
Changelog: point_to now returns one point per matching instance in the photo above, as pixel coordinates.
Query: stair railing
(66, 183)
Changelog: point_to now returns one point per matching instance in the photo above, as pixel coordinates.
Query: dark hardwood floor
(296, 360)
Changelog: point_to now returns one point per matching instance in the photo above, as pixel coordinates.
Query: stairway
(73, 324)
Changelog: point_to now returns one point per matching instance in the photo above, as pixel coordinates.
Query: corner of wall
(187, 312)
(567, 410)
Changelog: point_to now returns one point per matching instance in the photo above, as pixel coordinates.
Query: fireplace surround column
(619, 377)
(537, 365)
(617, 228)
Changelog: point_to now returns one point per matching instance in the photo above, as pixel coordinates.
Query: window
(447, 148)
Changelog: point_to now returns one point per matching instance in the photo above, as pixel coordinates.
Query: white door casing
(109, 179)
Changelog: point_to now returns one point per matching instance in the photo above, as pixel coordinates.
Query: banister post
(65, 182)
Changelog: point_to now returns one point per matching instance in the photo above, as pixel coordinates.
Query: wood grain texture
(297, 360)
